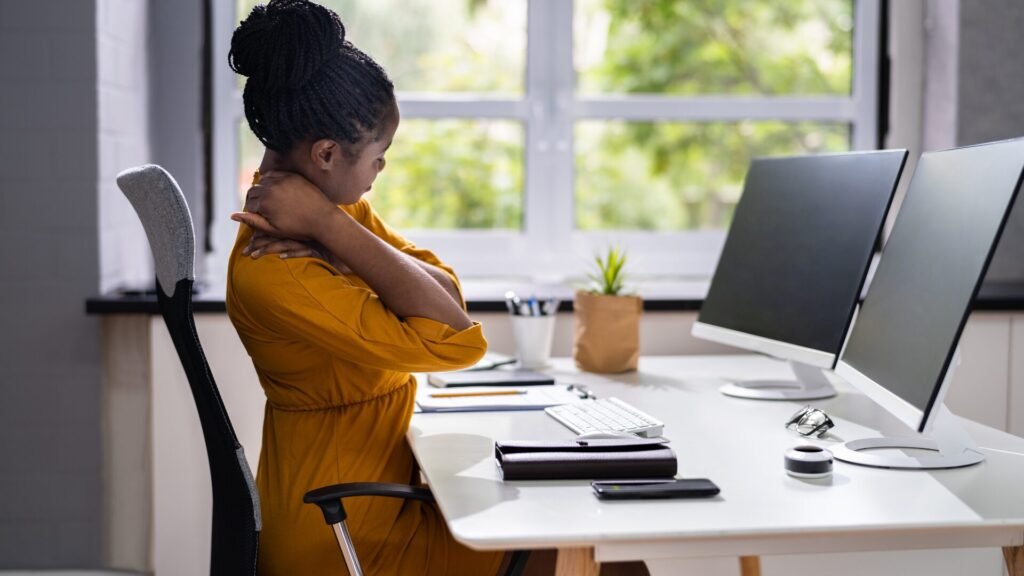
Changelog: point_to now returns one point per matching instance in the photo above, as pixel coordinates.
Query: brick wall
(50, 485)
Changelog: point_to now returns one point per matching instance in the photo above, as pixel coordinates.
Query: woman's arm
(404, 287)
(440, 276)
(425, 259)
(289, 206)
(263, 244)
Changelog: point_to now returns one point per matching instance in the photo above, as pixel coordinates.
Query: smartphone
(642, 489)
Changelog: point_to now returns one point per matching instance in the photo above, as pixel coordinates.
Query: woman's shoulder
(273, 282)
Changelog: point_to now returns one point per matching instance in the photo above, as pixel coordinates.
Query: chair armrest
(329, 498)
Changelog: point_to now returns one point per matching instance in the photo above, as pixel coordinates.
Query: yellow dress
(335, 366)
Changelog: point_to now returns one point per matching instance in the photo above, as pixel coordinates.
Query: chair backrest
(236, 509)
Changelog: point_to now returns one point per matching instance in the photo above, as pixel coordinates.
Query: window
(537, 132)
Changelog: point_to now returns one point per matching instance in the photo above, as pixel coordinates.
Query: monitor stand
(944, 437)
(949, 444)
(810, 384)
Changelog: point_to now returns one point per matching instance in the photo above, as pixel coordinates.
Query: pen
(550, 307)
(487, 393)
(512, 302)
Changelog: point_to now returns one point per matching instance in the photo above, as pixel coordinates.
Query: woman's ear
(324, 153)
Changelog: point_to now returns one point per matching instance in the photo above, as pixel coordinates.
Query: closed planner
(585, 459)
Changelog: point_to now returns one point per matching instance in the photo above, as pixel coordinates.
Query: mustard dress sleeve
(364, 212)
(335, 366)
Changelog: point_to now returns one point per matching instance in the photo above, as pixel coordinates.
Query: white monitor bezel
(767, 346)
(914, 417)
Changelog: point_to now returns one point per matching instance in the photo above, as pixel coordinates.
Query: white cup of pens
(533, 325)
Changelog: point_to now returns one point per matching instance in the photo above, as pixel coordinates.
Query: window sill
(487, 295)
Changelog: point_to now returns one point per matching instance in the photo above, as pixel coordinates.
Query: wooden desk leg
(576, 562)
(751, 565)
(1014, 556)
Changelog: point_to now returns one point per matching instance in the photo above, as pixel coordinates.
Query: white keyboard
(603, 415)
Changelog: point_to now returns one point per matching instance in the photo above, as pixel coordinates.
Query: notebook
(593, 459)
(498, 377)
(531, 398)
(492, 360)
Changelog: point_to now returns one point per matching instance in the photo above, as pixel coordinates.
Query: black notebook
(585, 460)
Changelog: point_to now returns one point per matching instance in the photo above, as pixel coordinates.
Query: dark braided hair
(305, 81)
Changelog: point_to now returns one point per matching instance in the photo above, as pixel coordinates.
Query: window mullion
(559, 200)
(867, 15)
(647, 108)
(539, 136)
(227, 108)
(416, 106)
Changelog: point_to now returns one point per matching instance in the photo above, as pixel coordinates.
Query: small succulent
(608, 276)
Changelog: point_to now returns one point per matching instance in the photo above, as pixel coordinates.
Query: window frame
(548, 248)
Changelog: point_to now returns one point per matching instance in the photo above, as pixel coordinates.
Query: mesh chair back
(236, 511)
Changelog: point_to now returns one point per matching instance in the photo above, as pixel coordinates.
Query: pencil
(487, 393)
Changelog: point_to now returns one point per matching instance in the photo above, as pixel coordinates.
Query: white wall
(989, 105)
(50, 482)
(122, 85)
(73, 112)
(176, 44)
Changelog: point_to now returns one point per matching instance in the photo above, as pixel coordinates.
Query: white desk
(739, 445)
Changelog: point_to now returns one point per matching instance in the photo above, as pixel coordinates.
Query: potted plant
(607, 336)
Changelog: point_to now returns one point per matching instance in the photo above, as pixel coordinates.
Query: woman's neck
(275, 161)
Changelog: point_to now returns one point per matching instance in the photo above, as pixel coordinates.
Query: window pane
(679, 176)
(438, 45)
(796, 47)
(451, 174)
(440, 174)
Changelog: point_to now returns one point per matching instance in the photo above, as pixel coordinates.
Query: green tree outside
(667, 176)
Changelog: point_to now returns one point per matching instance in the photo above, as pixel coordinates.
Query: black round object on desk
(807, 461)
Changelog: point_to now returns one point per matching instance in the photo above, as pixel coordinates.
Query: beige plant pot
(607, 335)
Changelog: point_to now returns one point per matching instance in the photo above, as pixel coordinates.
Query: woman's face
(350, 177)
(340, 175)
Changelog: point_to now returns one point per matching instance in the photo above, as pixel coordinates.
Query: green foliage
(658, 176)
(688, 176)
(676, 176)
(695, 47)
(446, 174)
(608, 277)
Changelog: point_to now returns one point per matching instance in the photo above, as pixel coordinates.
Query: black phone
(641, 489)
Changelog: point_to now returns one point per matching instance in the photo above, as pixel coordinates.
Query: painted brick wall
(74, 110)
(50, 485)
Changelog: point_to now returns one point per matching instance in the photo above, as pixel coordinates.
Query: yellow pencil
(487, 393)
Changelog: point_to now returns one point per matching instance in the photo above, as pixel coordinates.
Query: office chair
(236, 504)
(165, 216)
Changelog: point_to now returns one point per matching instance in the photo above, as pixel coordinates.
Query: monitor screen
(799, 247)
(931, 267)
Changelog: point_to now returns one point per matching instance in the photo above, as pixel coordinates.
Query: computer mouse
(606, 435)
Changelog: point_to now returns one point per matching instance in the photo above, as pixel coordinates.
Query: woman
(335, 308)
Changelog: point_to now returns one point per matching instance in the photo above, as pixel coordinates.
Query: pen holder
(533, 335)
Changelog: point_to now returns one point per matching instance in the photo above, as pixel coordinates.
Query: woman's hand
(263, 244)
(287, 206)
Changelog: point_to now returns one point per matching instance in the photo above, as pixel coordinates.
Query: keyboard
(605, 414)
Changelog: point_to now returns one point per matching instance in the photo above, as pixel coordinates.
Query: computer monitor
(903, 348)
(794, 261)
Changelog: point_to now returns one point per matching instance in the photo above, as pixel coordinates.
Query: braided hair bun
(305, 81)
(283, 44)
